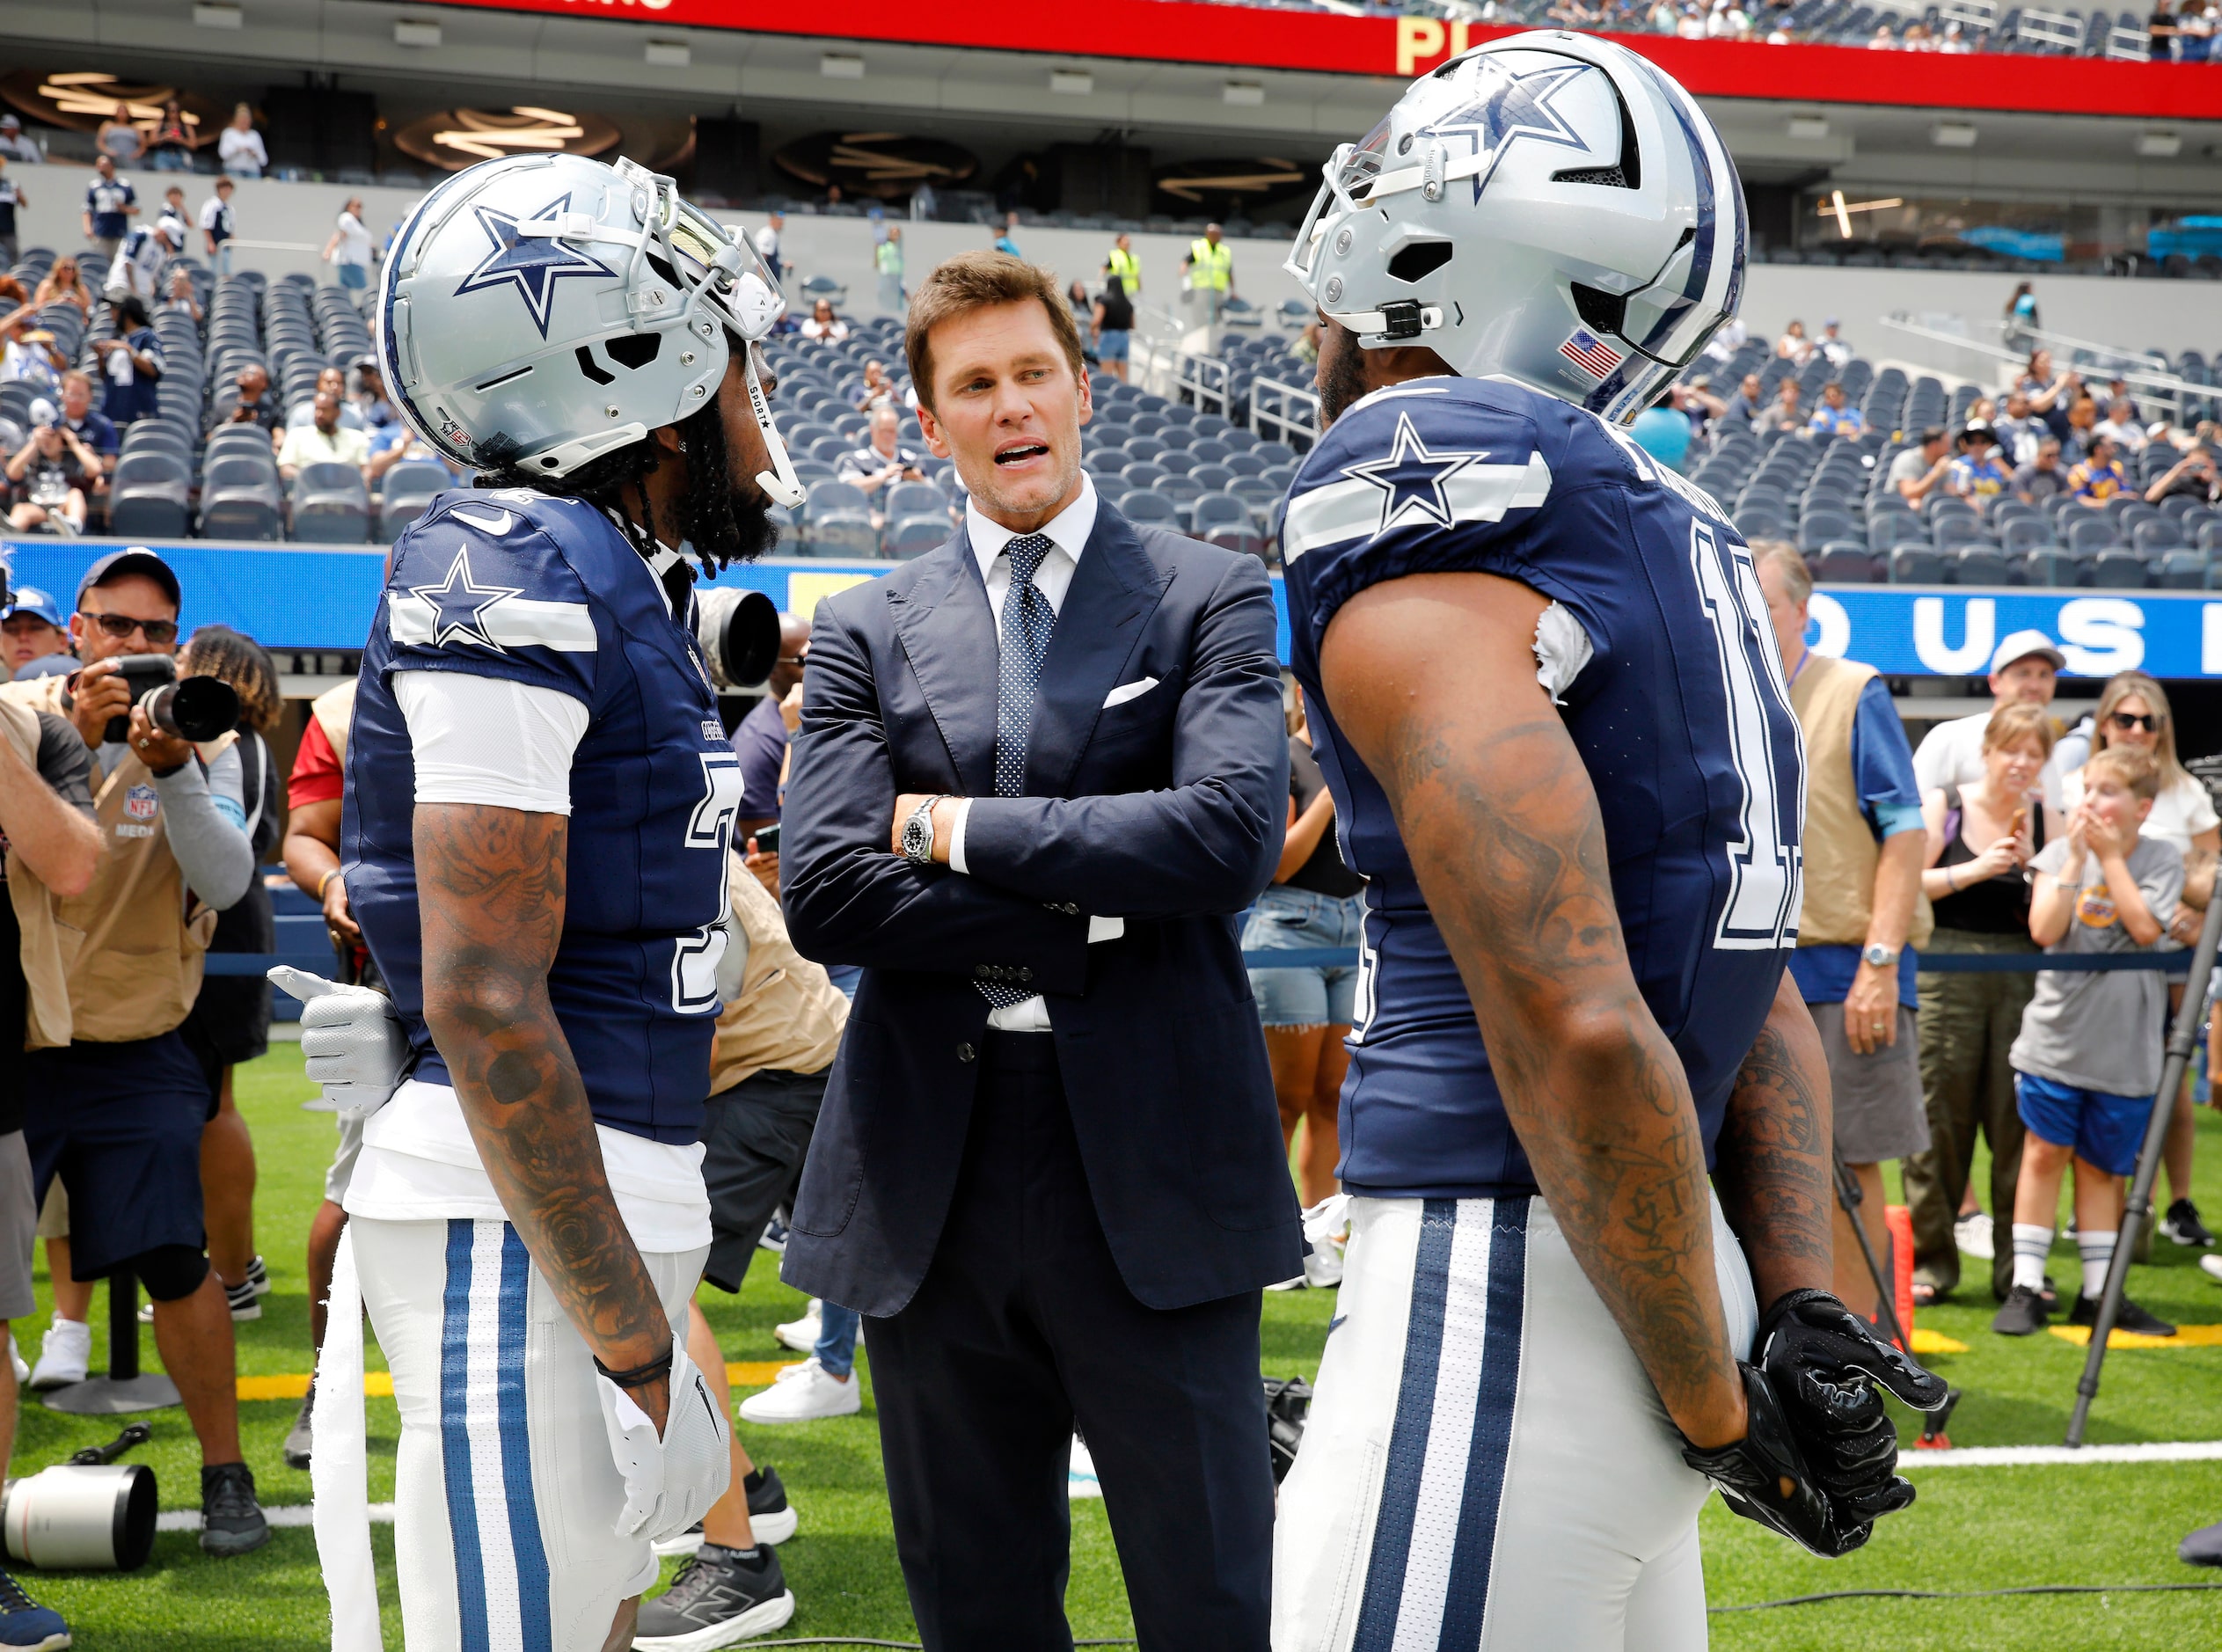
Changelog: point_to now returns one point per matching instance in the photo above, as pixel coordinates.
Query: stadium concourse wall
(283, 227)
(321, 598)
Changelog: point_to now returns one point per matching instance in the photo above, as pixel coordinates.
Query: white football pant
(1486, 1468)
(506, 1493)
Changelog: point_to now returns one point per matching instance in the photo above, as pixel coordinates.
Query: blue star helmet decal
(1411, 478)
(459, 604)
(1515, 106)
(530, 263)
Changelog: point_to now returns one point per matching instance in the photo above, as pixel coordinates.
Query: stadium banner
(321, 598)
(1399, 48)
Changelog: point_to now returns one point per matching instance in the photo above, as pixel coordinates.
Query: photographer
(49, 477)
(118, 1111)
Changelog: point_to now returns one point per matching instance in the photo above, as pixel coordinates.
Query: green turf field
(1975, 1528)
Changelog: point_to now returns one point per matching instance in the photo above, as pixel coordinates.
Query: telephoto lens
(198, 708)
(739, 632)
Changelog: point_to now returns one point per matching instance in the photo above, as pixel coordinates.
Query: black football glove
(1763, 1478)
(1826, 1366)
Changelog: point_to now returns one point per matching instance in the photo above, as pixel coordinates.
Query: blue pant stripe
(532, 1558)
(1384, 1595)
(1467, 1598)
(455, 1441)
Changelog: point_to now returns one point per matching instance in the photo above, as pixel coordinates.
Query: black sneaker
(258, 1276)
(2023, 1313)
(716, 1599)
(769, 1515)
(24, 1625)
(2132, 1319)
(774, 1237)
(231, 1521)
(245, 1302)
(2181, 1223)
(298, 1437)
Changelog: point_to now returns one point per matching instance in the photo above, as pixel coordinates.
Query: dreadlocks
(228, 655)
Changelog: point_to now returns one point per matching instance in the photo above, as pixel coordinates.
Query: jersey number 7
(694, 961)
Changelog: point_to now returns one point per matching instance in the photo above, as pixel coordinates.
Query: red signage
(1396, 49)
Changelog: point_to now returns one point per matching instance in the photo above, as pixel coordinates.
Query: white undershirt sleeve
(490, 741)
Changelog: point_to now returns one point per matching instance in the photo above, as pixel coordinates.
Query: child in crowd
(2088, 1059)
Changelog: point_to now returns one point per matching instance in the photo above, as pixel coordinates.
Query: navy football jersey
(517, 585)
(1679, 714)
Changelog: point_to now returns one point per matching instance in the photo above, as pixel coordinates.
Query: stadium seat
(148, 494)
(408, 488)
(1212, 511)
(2025, 534)
(330, 505)
(2049, 565)
(241, 497)
(2156, 534)
(1952, 529)
(2117, 569)
(2182, 570)
(1144, 505)
(1977, 564)
(1817, 529)
(1846, 562)
(913, 536)
(1912, 564)
(2089, 533)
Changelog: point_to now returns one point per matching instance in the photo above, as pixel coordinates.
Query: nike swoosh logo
(499, 524)
(1338, 1319)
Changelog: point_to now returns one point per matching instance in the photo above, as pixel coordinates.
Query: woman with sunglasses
(2133, 711)
(63, 285)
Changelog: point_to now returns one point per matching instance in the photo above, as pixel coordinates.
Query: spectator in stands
(62, 285)
(396, 444)
(2050, 395)
(1976, 475)
(1748, 403)
(2042, 477)
(15, 145)
(1793, 347)
(1981, 834)
(2120, 427)
(767, 242)
(1008, 242)
(49, 478)
(31, 629)
(174, 211)
(12, 196)
(1864, 845)
(874, 389)
(239, 146)
(1832, 344)
(1208, 271)
(369, 397)
(131, 362)
(887, 260)
(825, 324)
(2019, 430)
(119, 141)
(2194, 476)
(1111, 326)
(217, 227)
(332, 379)
(2099, 478)
(2083, 426)
(172, 144)
(256, 405)
(1662, 430)
(2089, 1055)
(110, 204)
(883, 460)
(2194, 33)
(138, 262)
(1836, 414)
(179, 300)
(117, 1111)
(2021, 316)
(1787, 413)
(348, 248)
(324, 439)
(88, 424)
(1727, 340)
(30, 355)
(1122, 262)
(1916, 471)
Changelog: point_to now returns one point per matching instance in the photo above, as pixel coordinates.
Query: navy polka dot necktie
(1027, 620)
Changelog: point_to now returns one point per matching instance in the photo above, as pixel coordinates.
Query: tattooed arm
(1772, 1162)
(490, 890)
(1433, 679)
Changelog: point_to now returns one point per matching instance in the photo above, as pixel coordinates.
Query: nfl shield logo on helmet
(140, 803)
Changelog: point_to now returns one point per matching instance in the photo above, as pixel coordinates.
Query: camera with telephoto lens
(196, 708)
(739, 632)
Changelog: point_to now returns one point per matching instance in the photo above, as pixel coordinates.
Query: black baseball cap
(132, 560)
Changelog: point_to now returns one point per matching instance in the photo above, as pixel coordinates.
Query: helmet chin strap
(780, 481)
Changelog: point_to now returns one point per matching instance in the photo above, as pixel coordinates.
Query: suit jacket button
(1023, 973)
(965, 1052)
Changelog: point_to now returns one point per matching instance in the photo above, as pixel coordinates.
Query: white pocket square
(1126, 691)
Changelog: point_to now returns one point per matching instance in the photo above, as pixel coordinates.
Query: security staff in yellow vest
(117, 1112)
(1210, 271)
(1863, 910)
(1122, 262)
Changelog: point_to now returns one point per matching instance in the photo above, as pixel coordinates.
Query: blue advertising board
(316, 597)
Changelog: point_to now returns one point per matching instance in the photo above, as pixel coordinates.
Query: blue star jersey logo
(1411, 478)
(459, 604)
(530, 263)
(1515, 106)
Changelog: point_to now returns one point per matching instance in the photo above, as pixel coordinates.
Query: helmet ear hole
(634, 350)
(1419, 260)
(1600, 312)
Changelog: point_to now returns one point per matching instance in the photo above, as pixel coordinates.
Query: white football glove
(670, 1483)
(352, 1039)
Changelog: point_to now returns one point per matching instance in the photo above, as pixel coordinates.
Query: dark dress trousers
(1069, 1226)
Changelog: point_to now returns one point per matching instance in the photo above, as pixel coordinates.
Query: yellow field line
(1928, 1341)
(379, 1384)
(2186, 1336)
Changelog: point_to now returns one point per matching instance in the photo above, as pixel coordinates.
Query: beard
(726, 517)
(1341, 375)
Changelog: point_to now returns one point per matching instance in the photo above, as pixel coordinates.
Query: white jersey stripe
(511, 622)
(1354, 509)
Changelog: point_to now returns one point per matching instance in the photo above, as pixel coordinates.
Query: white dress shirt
(1068, 534)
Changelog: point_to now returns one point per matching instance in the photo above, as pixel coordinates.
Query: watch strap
(924, 811)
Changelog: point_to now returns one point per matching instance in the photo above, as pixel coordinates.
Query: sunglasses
(159, 631)
(2124, 721)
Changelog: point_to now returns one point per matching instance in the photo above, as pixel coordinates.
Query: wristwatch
(1875, 953)
(918, 833)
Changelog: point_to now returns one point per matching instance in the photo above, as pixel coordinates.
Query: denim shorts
(1112, 347)
(1287, 919)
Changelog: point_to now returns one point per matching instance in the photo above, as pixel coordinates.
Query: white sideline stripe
(2063, 1456)
(291, 1514)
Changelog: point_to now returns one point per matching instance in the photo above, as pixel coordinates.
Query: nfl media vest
(789, 1016)
(47, 948)
(335, 712)
(1840, 850)
(135, 967)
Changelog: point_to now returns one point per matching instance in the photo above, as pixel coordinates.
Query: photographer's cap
(132, 559)
(2024, 645)
(29, 599)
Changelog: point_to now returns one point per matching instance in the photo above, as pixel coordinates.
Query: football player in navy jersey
(1560, 749)
(535, 840)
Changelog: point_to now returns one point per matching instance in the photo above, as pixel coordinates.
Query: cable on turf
(1902, 1594)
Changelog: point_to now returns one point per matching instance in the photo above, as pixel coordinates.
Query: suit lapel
(947, 633)
(1115, 590)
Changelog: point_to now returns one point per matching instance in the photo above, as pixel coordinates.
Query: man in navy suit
(1039, 770)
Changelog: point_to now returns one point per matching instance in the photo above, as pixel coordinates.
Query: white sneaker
(801, 1335)
(804, 1394)
(1323, 1268)
(1974, 1236)
(2212, 1265)
(65, 1355)
(14, 1358)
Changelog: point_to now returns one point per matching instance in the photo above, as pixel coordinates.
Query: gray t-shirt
(2102, 1030)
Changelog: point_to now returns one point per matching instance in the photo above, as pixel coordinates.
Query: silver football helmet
(1549, 208)
(540, 310)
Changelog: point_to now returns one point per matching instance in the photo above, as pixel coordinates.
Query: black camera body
(196, 709)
